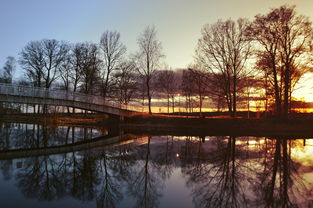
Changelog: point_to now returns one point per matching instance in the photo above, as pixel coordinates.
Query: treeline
(97, 69)
(235, 62)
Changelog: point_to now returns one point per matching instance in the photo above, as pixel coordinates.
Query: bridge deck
(34, 95)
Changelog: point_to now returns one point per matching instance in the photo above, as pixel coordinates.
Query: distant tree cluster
(8, 70)
(235, 62)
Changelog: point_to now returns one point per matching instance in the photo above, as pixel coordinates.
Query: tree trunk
(173, 104)
(106, 85)
(277, 94)
(149, 96)
(200, 105)
(168, 104)
(234, 96)
(286, 91)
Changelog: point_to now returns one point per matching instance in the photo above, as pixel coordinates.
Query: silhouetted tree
(32, 61)
(215, 90)
(125, 82)
(66, 68)
(167, 83)
(148, 58)
(285, 39)
(90, 66)
(199, 79)
(42, 59)
(223, 49)
(188, 89)
(112, 53)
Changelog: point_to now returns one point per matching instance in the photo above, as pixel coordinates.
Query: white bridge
(34, 95)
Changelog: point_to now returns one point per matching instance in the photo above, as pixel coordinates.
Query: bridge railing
(37, 92)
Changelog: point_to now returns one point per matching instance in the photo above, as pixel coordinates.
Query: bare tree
(65, 69)
(215, 89)
(77, 65)
(188, 89)
(65, 72)
(148, 58)
(285, 39)
(167, 83)
(54, 54)
(90, 65)
(8, 70)
(200, 80)
(112, 52)
(223, 50)
(32, 61)
(42, 59)
(296, 43)
(125, 82)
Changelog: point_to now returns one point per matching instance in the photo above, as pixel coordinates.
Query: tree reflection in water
(217, 177)
(85, 176)
(145, 183)
(280, 184)
(97, 175)
(114, 169)
(219, 171)
(39, 179)
(230, 177)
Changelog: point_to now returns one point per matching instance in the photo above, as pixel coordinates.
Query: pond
(64, 166)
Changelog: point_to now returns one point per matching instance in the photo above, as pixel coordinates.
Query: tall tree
(223, 50)
(148, 58)
(77, 65)
(112, 53)
(8, 70)
(32, 61)
(286, 42)
(54, 54)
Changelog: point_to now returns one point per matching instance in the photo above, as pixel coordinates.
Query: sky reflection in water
(154, 171)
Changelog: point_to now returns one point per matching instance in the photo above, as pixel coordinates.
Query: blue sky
(178, 21)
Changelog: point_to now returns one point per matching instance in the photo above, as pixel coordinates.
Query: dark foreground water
(72, 167)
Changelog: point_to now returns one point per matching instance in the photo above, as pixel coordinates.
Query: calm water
(72, 167)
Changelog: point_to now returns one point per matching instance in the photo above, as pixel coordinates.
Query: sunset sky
(178, 22)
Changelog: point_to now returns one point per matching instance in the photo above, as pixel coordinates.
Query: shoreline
(160, 125)
(291, 128)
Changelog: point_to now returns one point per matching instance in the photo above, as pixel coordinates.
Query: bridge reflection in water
(166, 171)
